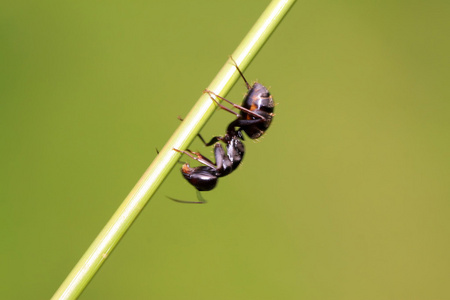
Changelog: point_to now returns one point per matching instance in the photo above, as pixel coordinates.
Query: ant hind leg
(198, 157)
(199, 197)
(240, 72)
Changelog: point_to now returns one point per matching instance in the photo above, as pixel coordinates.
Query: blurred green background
(345, 197)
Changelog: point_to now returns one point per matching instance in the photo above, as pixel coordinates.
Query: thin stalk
(122, 219)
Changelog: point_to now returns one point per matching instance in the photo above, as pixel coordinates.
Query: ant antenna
(240, 72)
(199, 197)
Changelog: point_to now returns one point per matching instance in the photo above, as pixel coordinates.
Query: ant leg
(200, 158)
(220, 105)
(199, 197)
(202, 139)
(220, 157)
(180, 162)
(248, 111)
(240, 72)
(222, 161)
(213, 140)
(224, 164)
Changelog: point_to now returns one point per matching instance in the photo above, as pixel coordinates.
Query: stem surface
(122, 219)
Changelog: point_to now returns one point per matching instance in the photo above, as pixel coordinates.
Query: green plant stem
(122, 219)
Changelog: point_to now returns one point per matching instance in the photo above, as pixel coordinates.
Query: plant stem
(122, 219)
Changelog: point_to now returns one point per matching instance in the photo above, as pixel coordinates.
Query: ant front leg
(248, 111)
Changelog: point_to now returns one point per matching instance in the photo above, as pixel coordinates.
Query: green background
(345, 197)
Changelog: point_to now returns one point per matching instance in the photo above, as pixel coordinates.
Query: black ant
(254, 119)
(256, 112)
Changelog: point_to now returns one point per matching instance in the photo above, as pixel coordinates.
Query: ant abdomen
(203, 178)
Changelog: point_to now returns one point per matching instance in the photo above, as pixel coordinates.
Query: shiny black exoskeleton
(256, 111)
(235, 148)
(204, 178)
(255, 117)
